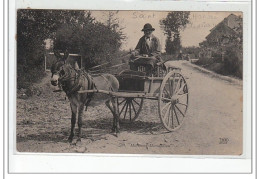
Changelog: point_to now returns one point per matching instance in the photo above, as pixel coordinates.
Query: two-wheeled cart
(146, 80)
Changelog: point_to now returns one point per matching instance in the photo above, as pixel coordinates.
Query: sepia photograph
(129, 82)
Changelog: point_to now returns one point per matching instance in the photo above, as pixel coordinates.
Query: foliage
(175, 21)
(238, 37)
(75, 31)
(167, 57)
(233, 59)
(96, 42)
(233, 62)
(204, 61)
(192, 51)
(172, 25)
(32, 29)
(228, 51)
(169, 46)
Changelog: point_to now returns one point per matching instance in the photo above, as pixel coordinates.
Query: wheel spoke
(185, 90)
(129, 108)
(166, 99)
(121, 102)
(169, 114)
(182, 104)
(122, 108)
(166, 105)
(179, 110)
(178, 83)
(181, 88)
(136, 102)
(172, 115)
(166, 113)
(133, 108)
(170, 85)
(166, 92)
(126, 109)
(182, 95)
(176, 115)
(130, 111)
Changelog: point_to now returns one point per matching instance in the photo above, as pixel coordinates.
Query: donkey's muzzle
(54, 83)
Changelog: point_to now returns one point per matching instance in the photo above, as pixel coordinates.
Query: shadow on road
(94, 130)
(138, 127)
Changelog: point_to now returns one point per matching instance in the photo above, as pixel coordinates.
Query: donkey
(72, 80)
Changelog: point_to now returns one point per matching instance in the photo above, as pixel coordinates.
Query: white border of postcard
(109, 163)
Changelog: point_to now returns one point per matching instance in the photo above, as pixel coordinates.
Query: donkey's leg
(87, 103)
(111, 109)
(80, 114)
(116, 114)
(73, 120)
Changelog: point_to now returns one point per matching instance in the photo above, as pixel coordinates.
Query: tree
(193, 51)
(75, 31)
(172, 25)
(233, 59)
(33, 27)
(70, 35)
(96, 42)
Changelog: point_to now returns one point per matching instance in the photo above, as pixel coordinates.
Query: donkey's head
(61, 57)
(58, 69)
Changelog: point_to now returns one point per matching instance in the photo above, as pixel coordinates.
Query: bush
(233, 62)
(204, 61)
(75, 31)
(166, 57)
(26, 76)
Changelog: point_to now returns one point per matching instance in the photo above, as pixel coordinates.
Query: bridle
(65, 75)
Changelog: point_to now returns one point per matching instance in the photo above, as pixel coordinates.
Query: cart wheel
(173, 100)
(129, 108)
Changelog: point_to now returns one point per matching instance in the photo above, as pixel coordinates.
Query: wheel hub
(174, 99)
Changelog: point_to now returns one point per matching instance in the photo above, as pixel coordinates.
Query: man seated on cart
(147, 51)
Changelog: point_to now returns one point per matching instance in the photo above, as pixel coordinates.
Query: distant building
(221, 36)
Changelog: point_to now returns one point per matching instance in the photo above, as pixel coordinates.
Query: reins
(76, 85)
(67, 77)
(63, 78)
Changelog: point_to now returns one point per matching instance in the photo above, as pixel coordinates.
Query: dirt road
(213, 123)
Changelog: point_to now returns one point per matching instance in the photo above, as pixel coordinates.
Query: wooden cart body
(143, 81)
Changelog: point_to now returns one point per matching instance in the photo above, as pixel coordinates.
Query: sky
(192, 35)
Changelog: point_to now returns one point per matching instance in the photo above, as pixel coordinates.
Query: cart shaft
(123, 94)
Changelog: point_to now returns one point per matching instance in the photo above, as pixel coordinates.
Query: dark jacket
(143, 48)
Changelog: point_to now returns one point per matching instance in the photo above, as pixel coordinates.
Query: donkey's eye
(62, 72)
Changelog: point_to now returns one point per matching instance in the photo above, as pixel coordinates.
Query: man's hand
(133, 54)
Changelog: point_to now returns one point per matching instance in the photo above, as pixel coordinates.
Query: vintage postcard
(129, 82)
(152, 85)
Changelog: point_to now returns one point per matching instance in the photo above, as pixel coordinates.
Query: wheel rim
(173, 100)
(129, 108)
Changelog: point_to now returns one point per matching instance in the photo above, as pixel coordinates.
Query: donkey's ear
(66, 54)
(76, 66)
(57, 54)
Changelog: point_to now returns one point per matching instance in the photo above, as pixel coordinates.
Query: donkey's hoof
(79, 139)
(116, 134)
(70, 139)
(117, 130)
(113, 129)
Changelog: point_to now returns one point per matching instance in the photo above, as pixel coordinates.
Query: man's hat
(148, 27)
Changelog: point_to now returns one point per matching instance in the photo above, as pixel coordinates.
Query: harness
(77, 82)
(108, 84)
